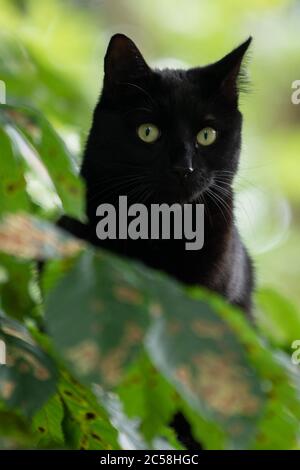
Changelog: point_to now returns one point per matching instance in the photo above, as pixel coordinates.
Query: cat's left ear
(123, 61)
(229, 71)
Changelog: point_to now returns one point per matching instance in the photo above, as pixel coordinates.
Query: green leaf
(278, 317)
(281, 388)
(209, 433)
(17, 296)
(15, 431)
(54, 270)
(86, 424)
(148, 397)
(51, 152)
(47, 423)
(13, 195)
(200, 354)
(103, 340)
(29, 376)
(127, 306)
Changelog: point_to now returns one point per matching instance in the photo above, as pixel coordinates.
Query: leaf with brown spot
(211, 360)
(126, 294)
(48, 422)
(26, 237)
(34, 129)
(85, 418)
(13, 196)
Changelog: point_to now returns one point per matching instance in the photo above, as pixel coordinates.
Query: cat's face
(165, 136)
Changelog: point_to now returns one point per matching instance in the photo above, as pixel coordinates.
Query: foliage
(103, 352)
(138, 333)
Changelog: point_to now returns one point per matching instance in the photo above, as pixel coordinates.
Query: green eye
(206, 136)
(148, 133)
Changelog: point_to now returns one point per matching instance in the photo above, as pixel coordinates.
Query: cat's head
(166, 135)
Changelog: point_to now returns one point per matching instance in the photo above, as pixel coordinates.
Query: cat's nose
(182, 172)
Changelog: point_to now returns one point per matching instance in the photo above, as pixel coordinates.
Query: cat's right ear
(123, 61)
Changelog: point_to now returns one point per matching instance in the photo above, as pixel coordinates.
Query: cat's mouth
(184, 190)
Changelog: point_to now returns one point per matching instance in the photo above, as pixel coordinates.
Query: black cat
(171, 136)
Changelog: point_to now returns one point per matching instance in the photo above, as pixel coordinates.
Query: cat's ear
(123, 61)
(229, 72)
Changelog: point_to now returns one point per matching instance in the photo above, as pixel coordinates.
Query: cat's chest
(171, 257)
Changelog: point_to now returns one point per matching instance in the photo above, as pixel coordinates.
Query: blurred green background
(51, 57)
